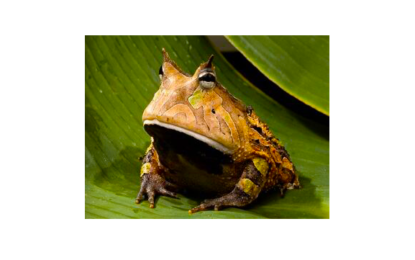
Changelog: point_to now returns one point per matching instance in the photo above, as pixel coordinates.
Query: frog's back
(282, 172)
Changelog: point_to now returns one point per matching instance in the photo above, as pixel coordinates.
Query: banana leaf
(298, 64)
(121, 77)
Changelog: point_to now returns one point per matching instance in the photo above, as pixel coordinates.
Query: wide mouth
(212, 143)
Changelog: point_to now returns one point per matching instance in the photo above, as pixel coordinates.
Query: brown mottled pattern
(181, 109)
(257, 159)
(282, 171)
(221, 117)
(218, 116)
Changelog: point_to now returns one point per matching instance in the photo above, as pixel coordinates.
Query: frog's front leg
(246, 190)
(152, 182)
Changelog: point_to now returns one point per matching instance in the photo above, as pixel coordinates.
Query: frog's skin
(204, 140)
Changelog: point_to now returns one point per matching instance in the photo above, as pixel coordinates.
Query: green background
(297, 64)
(121, 77)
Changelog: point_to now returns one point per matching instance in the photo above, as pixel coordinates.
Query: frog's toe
(237, 198)
(201, 207)
(216, 204)
(150, 187)
(163, 191)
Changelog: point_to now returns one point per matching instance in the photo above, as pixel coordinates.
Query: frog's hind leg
(246, 190)
(152, 182)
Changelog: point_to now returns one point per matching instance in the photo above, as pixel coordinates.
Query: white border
(371, 132)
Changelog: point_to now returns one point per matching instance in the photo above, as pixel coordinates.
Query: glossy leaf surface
(298, 64)
(121, 77)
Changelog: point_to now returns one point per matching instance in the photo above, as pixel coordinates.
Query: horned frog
(204, 140)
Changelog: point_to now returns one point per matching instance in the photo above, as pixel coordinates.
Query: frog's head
(198, 106)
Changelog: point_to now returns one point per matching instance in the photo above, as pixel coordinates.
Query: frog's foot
(151, 185)
(237, 198)
(246, 190)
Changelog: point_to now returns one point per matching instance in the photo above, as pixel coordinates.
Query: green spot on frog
(227, 117)
(196, 99)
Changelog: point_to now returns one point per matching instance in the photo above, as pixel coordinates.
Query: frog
(205, 141)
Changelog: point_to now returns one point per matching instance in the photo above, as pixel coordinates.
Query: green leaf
(298, 64)
(121, 77)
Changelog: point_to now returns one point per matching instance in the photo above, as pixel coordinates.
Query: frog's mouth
(149, 124)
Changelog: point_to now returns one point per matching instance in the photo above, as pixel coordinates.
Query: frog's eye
(207, 79)
(161, 73)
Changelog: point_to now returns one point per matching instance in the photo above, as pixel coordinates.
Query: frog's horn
(166, 56)
(209, 62)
